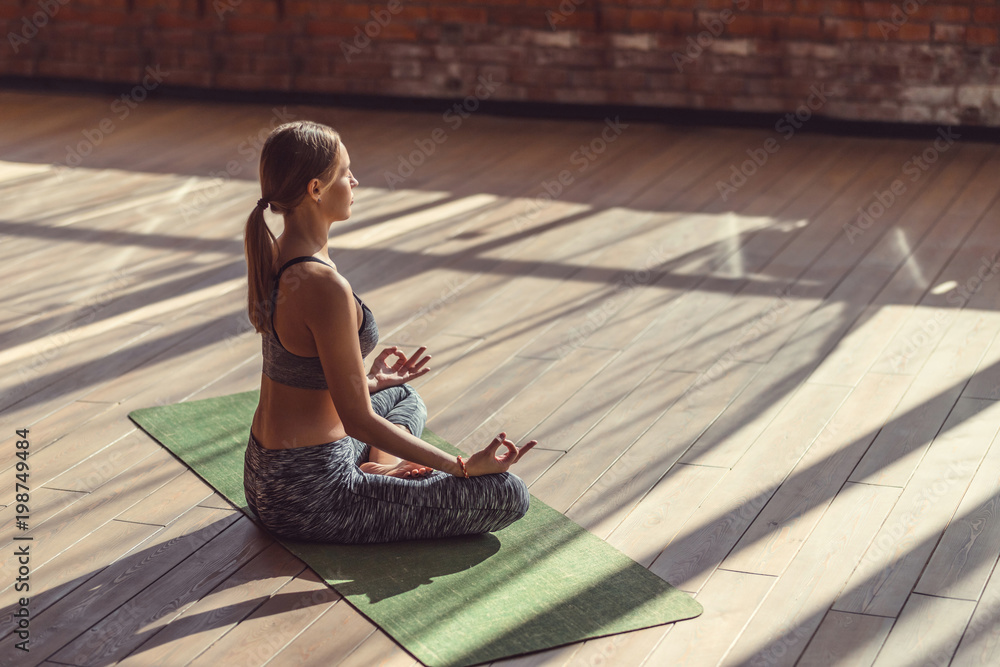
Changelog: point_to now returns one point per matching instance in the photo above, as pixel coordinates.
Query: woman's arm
(331, 317)
(332, 320)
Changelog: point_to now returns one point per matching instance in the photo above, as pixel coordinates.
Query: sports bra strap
(277, 278)
(297, 260)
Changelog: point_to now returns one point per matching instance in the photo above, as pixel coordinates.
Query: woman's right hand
(486, 461)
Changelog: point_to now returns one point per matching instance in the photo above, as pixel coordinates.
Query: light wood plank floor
(792, 419)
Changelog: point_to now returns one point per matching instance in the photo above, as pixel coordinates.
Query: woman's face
(337, 199)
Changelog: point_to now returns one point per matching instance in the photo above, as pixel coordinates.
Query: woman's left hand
(384, 374)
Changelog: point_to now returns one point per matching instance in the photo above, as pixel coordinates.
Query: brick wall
(921, 61)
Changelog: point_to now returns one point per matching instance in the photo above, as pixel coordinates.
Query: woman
(335, 454)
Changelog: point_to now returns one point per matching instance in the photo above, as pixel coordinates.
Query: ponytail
(259, 246)
(292, 155)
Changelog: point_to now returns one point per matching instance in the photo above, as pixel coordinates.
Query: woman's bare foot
(384, 463)
(404, 469)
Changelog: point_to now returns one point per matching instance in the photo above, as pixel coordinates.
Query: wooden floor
(792, 420)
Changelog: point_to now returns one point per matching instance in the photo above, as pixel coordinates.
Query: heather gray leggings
(319, 493)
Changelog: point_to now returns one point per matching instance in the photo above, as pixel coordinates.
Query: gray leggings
(319, 493)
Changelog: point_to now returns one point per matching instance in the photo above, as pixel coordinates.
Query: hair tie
(262, 203)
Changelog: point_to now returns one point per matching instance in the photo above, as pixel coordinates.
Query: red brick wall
(931, 61)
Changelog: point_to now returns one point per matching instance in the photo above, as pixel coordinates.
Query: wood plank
(378, 650)
(790, 614)
(775, 536)
(625, 484)
(729, 599)
(749, 291)
(568, 423)
(243, 376)
(169, 501)
(663, 512)
(620, 488)
(911, 428)
(70, 449)
(483, 403)
(45, 503)
(927, 631)
(117, 583)
(884, 318)
(565, 246)
(900, 551)
(967, 553)
(985, 382)
(717, 525)
(827, 323)
(591, 456)
(125, 353)
(130, 625)
(549, 658)
(335, 634)
(65, 529)
(215, 347)
(56, 577)
(95, 471)
(898, 449)
(917, 339)
(743, 421)
(626, 648)
(555, 385)
(844, 638)
(980, 643)
(199, 625)
(274, 624)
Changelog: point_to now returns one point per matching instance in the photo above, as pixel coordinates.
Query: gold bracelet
(462, 463)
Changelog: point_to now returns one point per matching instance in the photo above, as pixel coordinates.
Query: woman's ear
(313, 188)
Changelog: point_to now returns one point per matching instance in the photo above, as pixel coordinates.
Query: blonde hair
(293, 154)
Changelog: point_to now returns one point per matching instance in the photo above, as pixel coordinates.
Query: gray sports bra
(306, 372)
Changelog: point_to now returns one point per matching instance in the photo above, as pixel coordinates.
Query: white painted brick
(973, 96)
(929, 95)
(566, 39)
(946, 116)
(733, 47)
(916, 114)
(640, 42)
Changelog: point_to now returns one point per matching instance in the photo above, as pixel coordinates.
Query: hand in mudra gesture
(486, 461)
(385, 374)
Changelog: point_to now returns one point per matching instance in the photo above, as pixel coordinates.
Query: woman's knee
(409, 410)
(521, 498)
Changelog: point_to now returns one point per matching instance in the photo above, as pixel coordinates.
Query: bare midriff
(289, 417)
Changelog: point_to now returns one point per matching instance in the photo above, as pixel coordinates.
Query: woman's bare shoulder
(316, 282)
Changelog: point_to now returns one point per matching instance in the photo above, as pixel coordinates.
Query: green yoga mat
(542, 582)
